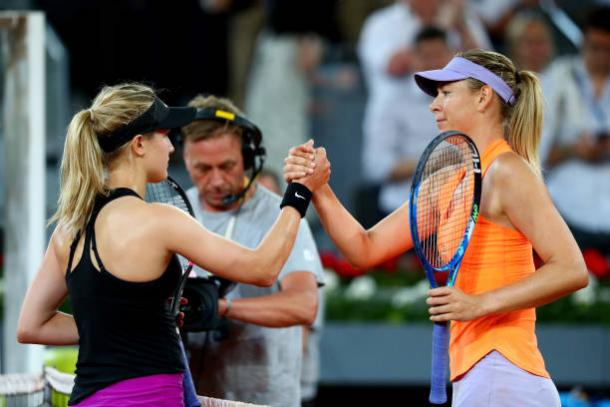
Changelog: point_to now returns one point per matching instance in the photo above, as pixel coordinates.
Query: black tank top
(125, 328)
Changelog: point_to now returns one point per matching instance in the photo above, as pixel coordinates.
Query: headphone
(252, 151)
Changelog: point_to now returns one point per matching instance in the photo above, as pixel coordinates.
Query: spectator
(310, 370)
(405, 127)
(258, 357)
(386, 48)
(529, 42)
(287, 53)
(270, 180)
(497, 15)
(575, 143)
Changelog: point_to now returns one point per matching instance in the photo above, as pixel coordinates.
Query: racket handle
(190, 394)
(440, 363)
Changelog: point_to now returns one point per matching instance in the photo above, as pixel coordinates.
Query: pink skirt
(162, 390)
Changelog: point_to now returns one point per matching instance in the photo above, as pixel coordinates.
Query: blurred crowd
(418, 35)
(276, 51)
(268, 56)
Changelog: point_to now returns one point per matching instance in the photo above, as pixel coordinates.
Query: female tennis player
(114, 253)
(494, 356)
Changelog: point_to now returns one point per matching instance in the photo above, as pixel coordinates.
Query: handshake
(201, 309)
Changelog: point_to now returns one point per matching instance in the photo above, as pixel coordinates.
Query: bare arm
(361, 247)
(295, 304)
(184, 235)
(527, 205)
(40, 321)
(456, 15)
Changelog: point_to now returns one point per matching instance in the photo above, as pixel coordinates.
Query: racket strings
(444, 203)
(164, 192)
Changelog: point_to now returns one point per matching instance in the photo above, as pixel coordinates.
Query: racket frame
(440, 334)
(190, 394)
(175, 304)
(453, 264)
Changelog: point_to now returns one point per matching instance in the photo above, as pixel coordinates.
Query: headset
(252, 150)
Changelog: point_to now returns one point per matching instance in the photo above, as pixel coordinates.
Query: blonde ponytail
(523, 120)
(526, 119)
(84, 165)
(82, 173)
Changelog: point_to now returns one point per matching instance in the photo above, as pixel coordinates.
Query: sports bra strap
(90, 242)
(72, 251)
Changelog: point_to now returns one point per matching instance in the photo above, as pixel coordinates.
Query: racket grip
(440, 363)
(190, 394)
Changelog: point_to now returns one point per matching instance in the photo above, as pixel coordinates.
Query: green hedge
(381, 306)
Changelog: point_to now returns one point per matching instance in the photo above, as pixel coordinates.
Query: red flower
(344, 269)
(328, 259)
(390, 265)
(597, 263)
(340, 266)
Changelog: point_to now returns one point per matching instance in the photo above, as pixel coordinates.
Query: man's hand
(400, 63)
(591, 149)
(180, 316)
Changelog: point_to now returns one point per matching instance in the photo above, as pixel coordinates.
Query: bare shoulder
(137, 218)
(516, 188)
(61, 237)
(60, 243)
(510, 171)
(137, 209)
(160, 215)
(161, 211)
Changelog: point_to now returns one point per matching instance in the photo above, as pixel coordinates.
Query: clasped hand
(307, 165)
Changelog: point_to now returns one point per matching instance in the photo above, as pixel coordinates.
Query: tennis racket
(169, 192)
(443, 210)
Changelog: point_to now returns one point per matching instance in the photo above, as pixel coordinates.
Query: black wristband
(298, 196)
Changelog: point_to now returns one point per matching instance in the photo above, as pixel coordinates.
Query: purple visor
(459, 69)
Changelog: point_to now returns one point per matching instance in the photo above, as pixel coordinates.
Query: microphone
(230, 199)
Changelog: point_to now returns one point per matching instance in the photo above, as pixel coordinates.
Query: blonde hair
(84, 164)
(523, 120)
(206, 129)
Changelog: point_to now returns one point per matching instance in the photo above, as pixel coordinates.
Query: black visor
(158, 116)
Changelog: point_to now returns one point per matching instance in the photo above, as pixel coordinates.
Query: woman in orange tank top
(493, 349)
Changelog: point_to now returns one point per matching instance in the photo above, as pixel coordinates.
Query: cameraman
(256, 357)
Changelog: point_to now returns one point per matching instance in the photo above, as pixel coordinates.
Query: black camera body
(201, 311)
(602, 136)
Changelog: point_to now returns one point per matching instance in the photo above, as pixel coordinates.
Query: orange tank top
(496, 256)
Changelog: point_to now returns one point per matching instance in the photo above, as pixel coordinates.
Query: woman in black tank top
(114, 254)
